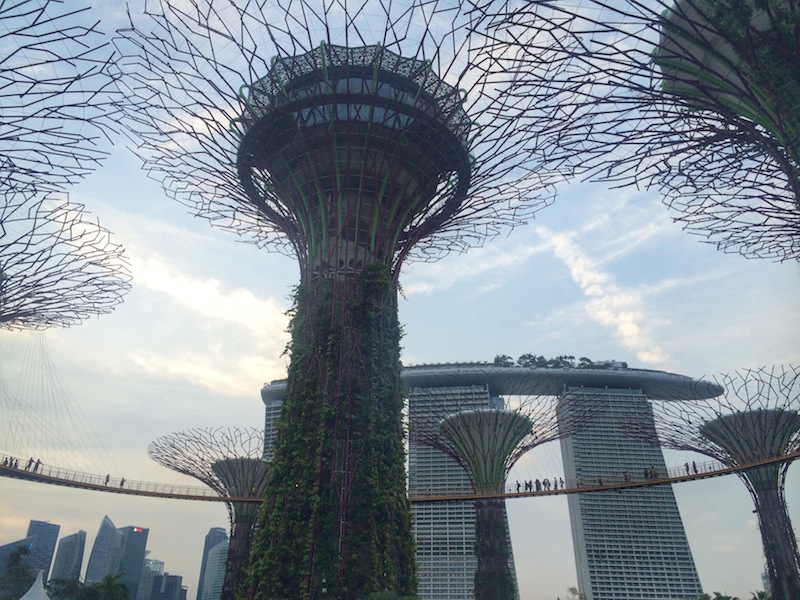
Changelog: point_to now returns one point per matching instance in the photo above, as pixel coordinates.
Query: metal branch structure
(352, 136)
(57, 267)
(57, 98)
(695, 98)
(756, 419)
(229, 461)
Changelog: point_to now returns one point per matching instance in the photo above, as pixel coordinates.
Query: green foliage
(19, 576)
(68, 589)
(562, 361)
(110, 588)
(337, 517)
(769, 60)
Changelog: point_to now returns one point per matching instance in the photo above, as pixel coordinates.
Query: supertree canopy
(56, 95)
(696, 98)
(230, 462)
(756, 420)
(351, 136)
(57, 267)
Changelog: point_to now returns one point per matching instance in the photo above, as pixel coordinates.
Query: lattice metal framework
(56, 95)
(352, 136)
(696, 98)
(230, 462)
(756, 419)
(57, 267)
(208, 85)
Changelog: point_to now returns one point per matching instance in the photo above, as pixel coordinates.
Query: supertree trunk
(493, 579)
(239, 545)
(336, 522)
(779, 540)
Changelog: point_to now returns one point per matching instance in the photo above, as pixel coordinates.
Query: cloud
(454, 269)
(262, 317)
(227, 340)
(609, 304)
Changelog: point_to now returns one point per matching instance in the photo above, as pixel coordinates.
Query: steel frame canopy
(697, 99)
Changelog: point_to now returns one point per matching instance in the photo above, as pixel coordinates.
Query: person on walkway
(122, 482)
(36, 465)
(108, 477)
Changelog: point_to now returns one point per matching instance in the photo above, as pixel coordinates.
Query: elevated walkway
(53, 475)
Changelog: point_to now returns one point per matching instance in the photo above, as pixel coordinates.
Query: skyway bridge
(15, 467)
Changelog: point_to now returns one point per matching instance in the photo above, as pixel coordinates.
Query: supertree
(57, 98)
(696, 98)
(229, 461)
(57, 267)
(487, 442)
(755, 420)
(352, 136)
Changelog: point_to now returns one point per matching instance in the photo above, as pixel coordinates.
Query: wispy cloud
(608, 303)
(229, 360)
(474, 265)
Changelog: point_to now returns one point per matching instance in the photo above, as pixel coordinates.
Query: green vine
(493, 579)
(337, 522)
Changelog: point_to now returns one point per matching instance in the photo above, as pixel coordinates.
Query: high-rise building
(214, 537)
(214, 576)
(105, 555)
(150, 569)
(168, 587)
(444, 531)
(134, 542)
(43, 537)
(628, 545)
(69, 557)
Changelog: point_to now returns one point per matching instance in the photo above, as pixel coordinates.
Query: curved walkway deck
(617, 481)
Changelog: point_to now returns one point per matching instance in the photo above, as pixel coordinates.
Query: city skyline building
(150, 569)
(43, 536)
(105, 554)
(214, 577)
(628, 545)
(132, 554)
(168, 587)
(215, 536)
(69, 557)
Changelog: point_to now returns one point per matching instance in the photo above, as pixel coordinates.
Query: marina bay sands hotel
(628, 546)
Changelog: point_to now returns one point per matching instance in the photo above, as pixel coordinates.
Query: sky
(601, 273)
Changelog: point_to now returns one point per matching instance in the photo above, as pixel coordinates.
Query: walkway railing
(28, 469)
(43, 473)
(611, 481)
